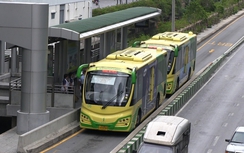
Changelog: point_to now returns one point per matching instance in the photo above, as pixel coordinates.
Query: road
(103, 142)
(213, 47)
(217, 109)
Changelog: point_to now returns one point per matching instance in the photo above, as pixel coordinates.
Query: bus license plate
(104, 128)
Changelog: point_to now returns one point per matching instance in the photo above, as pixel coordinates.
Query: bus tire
(194, 66)
(165, 89)
(189, 75)
(177, 85)
(157, 101)
(138, 118)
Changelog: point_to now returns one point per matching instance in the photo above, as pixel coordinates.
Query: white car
(236, 143)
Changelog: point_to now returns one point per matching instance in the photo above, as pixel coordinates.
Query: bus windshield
(107, 89)
(154, 148)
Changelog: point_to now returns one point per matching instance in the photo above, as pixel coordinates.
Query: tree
(195, 12)
(208, 5)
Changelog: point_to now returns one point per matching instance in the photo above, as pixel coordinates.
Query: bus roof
(130, 58)
(165, 130)
(170, 38)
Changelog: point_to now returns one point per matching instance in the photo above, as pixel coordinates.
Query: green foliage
(195, 12)
(100, 11)
(164, 5)
(219, 8)
(186, 13)
(164, 26)
(208, 5)
(181, 23)
(140, 38)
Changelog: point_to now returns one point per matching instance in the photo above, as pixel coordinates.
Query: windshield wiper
(111, 100)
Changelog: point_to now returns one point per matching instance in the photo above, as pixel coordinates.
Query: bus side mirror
(136, 44)
(134, 151)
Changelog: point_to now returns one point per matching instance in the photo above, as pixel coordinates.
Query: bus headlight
(84, 119)
(123, 122)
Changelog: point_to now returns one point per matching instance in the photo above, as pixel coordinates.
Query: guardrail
(16, 85)
(56, 97)
(172, 106)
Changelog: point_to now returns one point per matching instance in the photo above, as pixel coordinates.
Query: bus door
(149, 88)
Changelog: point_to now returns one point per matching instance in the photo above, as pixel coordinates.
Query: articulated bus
(122, 89)
(181, 51)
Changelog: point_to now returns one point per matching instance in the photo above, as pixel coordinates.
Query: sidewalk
(210, 31)
(9, 140)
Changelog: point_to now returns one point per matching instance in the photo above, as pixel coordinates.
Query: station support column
(13, 61)
(57, 62)
(33, 111)
(102, 46)
(2, 57)
(87, 50)
(124, 37)
(106, 44)
(63, 58)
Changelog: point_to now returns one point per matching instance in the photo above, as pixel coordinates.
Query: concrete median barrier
(48, 134)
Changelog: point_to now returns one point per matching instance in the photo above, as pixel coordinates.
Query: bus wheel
(138, 118)
(157, 102)
(177, 85)
(189, 75)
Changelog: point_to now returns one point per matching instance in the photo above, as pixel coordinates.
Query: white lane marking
(209, 151)
(225, 124)
(230, 114)
(215, 140)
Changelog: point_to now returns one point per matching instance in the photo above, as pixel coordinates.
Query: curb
(238, 15)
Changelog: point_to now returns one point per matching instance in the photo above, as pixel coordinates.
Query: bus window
(170, 61)
(154, 148)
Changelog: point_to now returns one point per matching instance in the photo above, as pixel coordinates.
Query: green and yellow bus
(122, 89)
(181, 51)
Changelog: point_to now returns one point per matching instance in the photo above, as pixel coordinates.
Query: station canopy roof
(89, 27)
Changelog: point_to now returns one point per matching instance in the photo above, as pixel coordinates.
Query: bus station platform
(9, 141)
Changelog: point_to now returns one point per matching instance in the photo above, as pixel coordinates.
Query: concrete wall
(73, 11)
(63, 104)
(57, 129)
(60, 100)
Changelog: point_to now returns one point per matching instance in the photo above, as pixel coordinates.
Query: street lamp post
(173, 16)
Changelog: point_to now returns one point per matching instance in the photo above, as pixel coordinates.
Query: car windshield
(238, 137)
(107, 89)
(153, 148)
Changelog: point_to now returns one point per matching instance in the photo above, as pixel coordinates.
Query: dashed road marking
(215, 140)
(209, 151)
